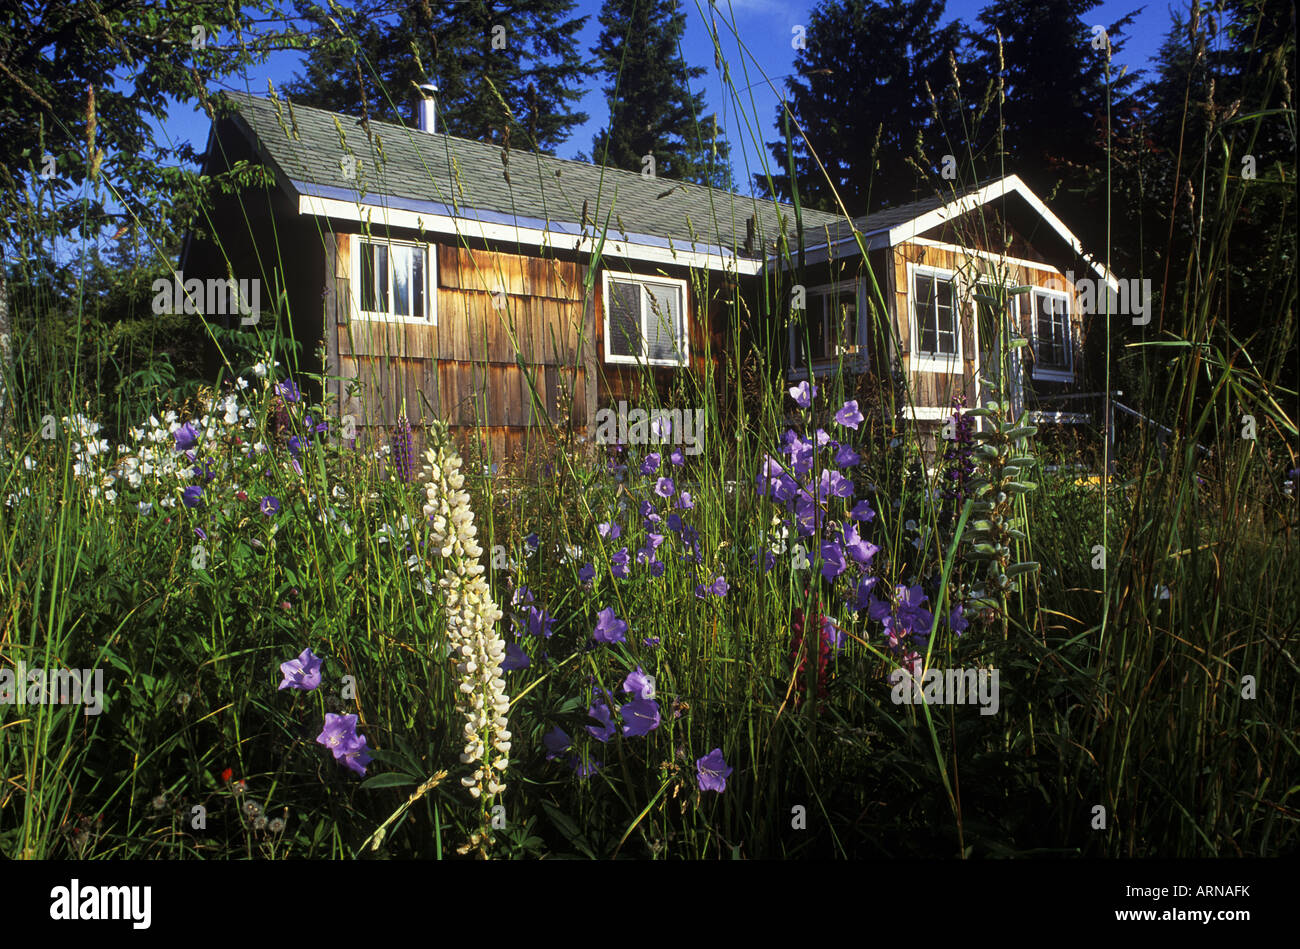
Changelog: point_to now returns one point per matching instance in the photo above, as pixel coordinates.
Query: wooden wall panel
(932, 389)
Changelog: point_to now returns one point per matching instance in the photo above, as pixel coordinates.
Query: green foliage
(652, 108)
(496, 70)
(859, 105)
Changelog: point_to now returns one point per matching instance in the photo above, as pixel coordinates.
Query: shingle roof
(888, 218)
(440, 173)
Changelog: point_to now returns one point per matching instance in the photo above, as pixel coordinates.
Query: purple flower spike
(302, 673)
(641, 717)
(586, 572)
(192, 496)
(665, 488)
(609, 530)
(712, 771)
(651, 463)
(403, 449)
(288, 390)
(270, 506)
(609, 628)
(848, 415)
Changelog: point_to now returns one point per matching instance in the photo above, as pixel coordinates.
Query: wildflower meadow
(238, 627)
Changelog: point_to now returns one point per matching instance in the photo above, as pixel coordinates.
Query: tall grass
(1113, 695)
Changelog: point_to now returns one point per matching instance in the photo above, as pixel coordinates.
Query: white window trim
(856, 362)
(1052, 375)
(684, 341)
(929, 362)
(430, 282)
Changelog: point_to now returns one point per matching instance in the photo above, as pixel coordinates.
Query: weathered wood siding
(704, 313)
(935, 388)
(507, 353)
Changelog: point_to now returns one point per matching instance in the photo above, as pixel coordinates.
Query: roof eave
(431, 217)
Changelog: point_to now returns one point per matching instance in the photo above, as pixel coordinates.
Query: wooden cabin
(512, 293)
(936, 274)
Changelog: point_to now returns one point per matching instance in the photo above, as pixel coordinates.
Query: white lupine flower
(472, 618)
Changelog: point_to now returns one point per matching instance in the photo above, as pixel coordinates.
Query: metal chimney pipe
(425, 107)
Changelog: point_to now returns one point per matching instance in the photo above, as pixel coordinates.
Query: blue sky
(755, 39)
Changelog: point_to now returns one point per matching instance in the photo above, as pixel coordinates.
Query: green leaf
(388, 780)
(1016, 569)
(568, 828)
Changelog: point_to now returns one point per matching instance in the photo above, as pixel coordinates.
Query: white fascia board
(910, 230)
(510, 233)
(956, 208)
(985, 254)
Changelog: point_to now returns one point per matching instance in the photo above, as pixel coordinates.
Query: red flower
(227, 775)
(797, 655)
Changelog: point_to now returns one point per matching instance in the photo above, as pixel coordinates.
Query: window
(834, 328)
(1050, 313)
(394, 281)
(645, 319)
(936, 330)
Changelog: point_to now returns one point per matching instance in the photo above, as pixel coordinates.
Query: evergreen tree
(860, 97)
(1051, 123)
(652, 110)
(497, 64)
(85, 91)
(1217, 114)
